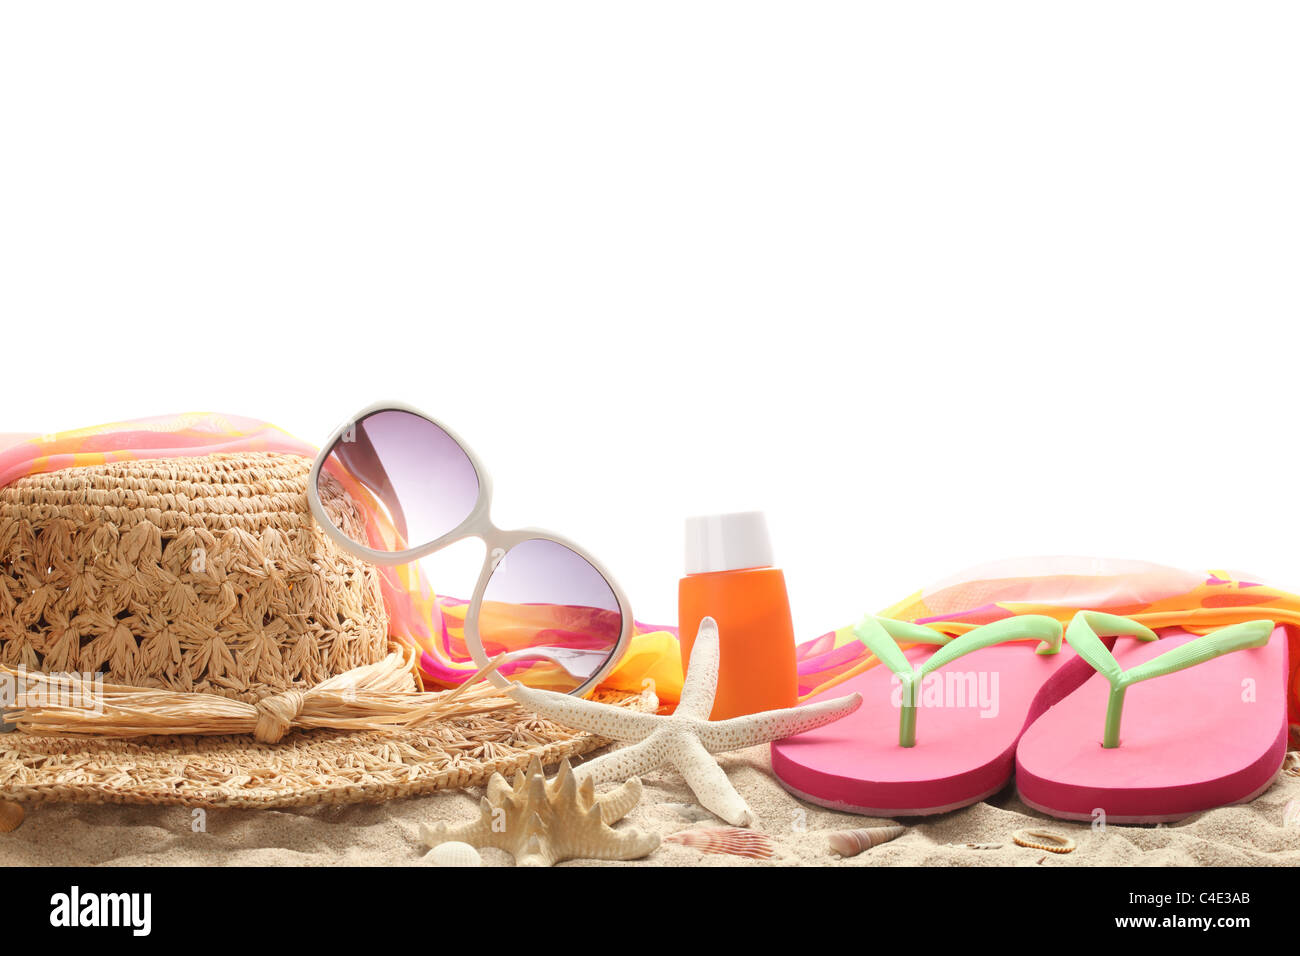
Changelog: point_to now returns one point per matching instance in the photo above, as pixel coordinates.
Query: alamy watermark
(23, 688)
(950, 689)
(75, 908)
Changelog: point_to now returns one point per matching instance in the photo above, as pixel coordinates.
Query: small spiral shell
(853, 842)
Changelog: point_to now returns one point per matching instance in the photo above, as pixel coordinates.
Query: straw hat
(245, 658)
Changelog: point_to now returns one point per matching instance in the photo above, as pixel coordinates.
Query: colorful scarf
(434, 625)
(1155, 595)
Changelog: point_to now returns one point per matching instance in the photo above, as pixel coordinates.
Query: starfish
(686, 739)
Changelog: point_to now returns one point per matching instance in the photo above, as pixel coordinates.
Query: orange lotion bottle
(730, 578)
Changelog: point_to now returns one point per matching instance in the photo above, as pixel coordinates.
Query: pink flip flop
(956, 744)
(1208, 730)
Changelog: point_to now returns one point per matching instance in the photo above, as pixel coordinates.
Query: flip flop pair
(946, 722)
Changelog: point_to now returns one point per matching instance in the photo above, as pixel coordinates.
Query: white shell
(454, 853)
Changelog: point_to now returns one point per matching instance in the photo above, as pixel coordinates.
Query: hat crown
(204, 574)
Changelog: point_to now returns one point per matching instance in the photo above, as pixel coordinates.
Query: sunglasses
(543, 609)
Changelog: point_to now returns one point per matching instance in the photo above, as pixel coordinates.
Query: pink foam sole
(963, 754)
(1189, 741)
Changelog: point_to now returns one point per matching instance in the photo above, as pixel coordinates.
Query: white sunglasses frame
(477, 524)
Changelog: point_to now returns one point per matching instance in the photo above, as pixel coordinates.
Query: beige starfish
(541, 823)
(686, 739)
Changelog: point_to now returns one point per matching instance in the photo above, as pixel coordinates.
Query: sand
(1251, 835)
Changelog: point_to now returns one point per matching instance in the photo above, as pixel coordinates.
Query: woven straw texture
(191, 574)
(209, 575)
(314, 767)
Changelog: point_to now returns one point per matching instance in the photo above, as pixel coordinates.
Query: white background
(931, 283)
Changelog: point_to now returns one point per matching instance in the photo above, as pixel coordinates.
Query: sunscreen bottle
(729, 577)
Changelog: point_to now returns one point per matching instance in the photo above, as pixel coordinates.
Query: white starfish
(686, 739)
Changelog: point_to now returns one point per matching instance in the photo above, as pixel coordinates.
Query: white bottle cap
(727, 542)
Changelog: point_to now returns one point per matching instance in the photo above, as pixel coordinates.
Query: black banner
(221, 905)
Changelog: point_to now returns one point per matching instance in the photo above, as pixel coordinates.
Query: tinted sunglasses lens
(417, 482)
(550, 603)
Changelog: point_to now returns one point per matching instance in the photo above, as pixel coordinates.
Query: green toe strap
(881, 636)
(1088, 627)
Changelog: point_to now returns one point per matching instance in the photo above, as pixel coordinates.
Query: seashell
(853, 842)
(541, 822)
(11, 816)
(1043, 840)
(1291, 764)
(454, 853)
(1291, 814)
(732, 840)
(976, 846)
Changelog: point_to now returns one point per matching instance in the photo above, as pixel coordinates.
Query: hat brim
(304, 769)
